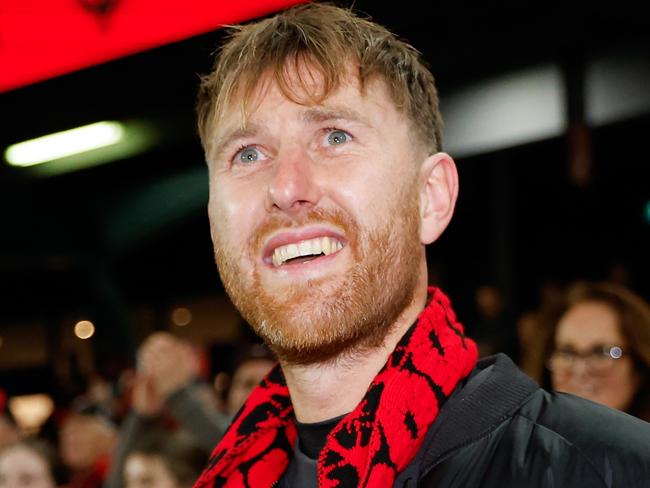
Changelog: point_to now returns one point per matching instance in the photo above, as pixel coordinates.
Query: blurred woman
(31, 463)
(599, 348)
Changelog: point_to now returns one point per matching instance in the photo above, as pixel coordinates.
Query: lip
(295, 236)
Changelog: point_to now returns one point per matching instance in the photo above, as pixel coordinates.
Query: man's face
(315, 218)
(84, 439)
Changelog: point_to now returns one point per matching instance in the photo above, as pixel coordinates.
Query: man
(322, 137)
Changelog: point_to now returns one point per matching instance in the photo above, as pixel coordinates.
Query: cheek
(624, 378)
(133, 473)
(232, 214)
(559, 382)
(367, 198)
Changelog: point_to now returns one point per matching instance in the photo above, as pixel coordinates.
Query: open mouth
(304, 251)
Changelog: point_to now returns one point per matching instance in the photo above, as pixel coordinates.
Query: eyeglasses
(598, 360)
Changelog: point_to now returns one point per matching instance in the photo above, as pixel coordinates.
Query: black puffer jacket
(501, 430)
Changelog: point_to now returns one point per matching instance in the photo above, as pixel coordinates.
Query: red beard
(321, 319)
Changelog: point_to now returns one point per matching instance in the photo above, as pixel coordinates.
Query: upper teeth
(319, 245)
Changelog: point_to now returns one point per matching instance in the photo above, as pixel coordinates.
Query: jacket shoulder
(501, 429)
(603, 435)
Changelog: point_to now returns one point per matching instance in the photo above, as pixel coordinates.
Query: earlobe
(438, 194)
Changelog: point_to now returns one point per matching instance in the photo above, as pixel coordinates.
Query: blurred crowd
(157, 429)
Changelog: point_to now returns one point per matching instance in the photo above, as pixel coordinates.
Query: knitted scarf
(374, 442)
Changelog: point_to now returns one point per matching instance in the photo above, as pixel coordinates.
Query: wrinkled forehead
(303, 83)
(310, 103)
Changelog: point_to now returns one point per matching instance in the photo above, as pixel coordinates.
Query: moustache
(277, 222)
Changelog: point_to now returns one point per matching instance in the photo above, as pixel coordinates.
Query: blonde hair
(323, 39)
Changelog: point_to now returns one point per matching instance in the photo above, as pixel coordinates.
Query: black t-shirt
(312, 437)
(303, 468)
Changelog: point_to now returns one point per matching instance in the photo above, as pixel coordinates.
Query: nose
(292, 186)
(580, 369)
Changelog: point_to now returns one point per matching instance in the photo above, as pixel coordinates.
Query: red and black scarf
(374, 442)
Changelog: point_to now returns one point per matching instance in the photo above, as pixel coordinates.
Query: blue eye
(338, 137)
(248, 155)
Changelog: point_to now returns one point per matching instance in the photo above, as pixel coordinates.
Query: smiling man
(322, 137)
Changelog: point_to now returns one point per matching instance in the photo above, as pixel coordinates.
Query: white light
(84, 329)
(31, 411)
(616, 352)
(505, 111)
(63, 144)
(616, 87)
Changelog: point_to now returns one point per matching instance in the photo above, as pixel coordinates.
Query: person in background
(533, 327)
(168, 391)
(599, 348)
(9, 432)
(169, 380)
(31, 463)
(163, 459)
(86, 439)
(252, 363)
(492, 322)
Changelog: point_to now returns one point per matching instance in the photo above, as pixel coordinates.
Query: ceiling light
(84, 329)
(62, 144)
(181, 316)
(84, 147)
(31, 411)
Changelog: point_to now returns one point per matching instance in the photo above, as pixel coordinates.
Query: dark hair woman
(599, 348)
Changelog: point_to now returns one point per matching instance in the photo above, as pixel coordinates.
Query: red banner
(40, 39)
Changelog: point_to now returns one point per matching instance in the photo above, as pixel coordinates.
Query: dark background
(73, 244)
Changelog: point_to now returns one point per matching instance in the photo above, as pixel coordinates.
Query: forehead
(304, 90)
(20, 457)
(138, 464)
(589, 323)
(77, 421)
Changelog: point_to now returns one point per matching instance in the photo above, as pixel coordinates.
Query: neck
(322, 391)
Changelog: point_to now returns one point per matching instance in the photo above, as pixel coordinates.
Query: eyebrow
(312, 115)
(230, 136)
(323, 114)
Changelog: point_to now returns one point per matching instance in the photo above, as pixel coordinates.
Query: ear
(438, 182)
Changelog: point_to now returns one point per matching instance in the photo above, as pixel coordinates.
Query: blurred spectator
(534, 328)
(86, 440)
(161, 459)
(491, 322)
(167, 383)
(600, 347)
(168, 378)
(9, 432)
(31, 463)
(252, 364)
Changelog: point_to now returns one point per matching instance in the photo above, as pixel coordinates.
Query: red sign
(40, 39)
